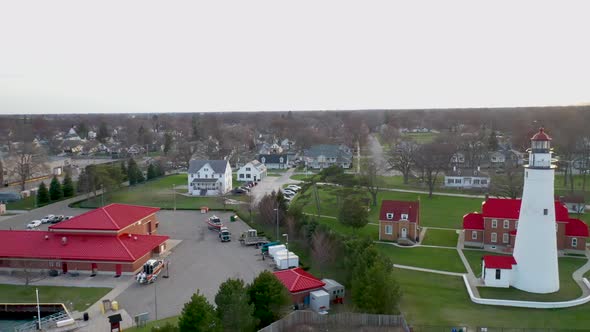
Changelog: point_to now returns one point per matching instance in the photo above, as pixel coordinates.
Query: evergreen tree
(233, 309)
(167, 143)
(139, 176)
(42, 195)
(198, 315)
(269, 297)
(82, 130)
(151, 172)
(132, 171)
(103, 133)
(195, 127)
(55, 190)
(124, 171)
(353, 213)
(83, 185)
(493, 142)
(68, 186)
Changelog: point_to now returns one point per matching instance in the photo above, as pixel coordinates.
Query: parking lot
(200, 261)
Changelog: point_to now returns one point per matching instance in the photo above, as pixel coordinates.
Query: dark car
(238, 191)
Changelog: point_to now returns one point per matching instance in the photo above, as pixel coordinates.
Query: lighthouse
(535, 249)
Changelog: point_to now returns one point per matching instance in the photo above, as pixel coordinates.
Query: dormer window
(281, 160)
(389, 216)
(263, 160)
(404, 216)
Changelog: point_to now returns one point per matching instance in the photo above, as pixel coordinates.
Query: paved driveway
(270, 183)
(200, 261)
(20, 221)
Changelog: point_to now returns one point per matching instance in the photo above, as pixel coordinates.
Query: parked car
(246, 188)
(239, 191)
(289, 196)
(68, 217)
(294, 187)
(34, 224)
(47, 219)
(57, 219)
(289, 192)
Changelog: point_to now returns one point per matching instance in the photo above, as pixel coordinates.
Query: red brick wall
(469, 235)
(568, 243)
(561, 238)
(412, 231)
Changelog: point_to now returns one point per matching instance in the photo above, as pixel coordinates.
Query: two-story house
(496, 226)
(209, 177)
(275, 161)
(466, 178)
(399, 221)
(252, 171)
(326, 155)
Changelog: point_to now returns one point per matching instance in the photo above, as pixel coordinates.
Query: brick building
(496, 226)
(116, 238)
(299, 283)
(399, 221)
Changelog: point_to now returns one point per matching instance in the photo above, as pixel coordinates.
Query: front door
(64, 267)
(404, 232)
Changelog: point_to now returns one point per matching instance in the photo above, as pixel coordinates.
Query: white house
(458, 158)
(497, 271)
(466, 178)
(209, 177)
(252, 171)
(274, 161)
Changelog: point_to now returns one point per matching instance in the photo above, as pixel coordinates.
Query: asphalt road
(200, 262)
(270, 184)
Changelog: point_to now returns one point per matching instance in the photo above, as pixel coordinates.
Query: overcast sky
(177, 56)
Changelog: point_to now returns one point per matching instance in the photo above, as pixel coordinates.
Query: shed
(299, 283)
(497, 270)
(334, 288)
(319, 300)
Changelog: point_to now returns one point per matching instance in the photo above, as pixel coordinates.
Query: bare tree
(323, 248)
(27, 274)
(371, 180)
(28, 160)
(431, 160)
(474, 149)
(509, 184)
(402, 158)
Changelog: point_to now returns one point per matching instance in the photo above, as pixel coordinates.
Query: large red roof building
(116, 238)
(399, 221)
(496, 226)
(299, 283)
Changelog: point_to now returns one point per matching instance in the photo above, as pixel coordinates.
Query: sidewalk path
(455, 274)
(473, 280)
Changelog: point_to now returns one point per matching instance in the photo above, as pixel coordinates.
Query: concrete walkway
(454, 274)
(474, 282)
(578, 275)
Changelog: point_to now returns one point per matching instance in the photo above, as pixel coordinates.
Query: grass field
(428, 258)
(439, 300)
(568, 289)
(156, 323)
(420, 138)
(369, 230)
(440, 237)
(27, 203)
(80, 297)
(159, 193)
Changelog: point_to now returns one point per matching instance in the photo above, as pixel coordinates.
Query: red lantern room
(540, 142)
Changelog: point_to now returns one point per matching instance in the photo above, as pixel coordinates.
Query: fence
(347, 320)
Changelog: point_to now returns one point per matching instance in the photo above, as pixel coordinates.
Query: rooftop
(112, 217)
(297, 280)
(498, 262)
(398, 208)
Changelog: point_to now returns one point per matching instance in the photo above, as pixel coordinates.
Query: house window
(506, 224)
(545, 212)
(458, 181)
(474, 235)
(388, 229)
(247, 169)
(575, 242)
(404, 216)
(389, 216)
(263, 160)
(205, 169)
(506, 238)
(450, 181)
(484, 181)
(281, 160)
(498, 274)
(476, 181)
(241, 176)
(494, 237)
(494, 223)
(248, 176)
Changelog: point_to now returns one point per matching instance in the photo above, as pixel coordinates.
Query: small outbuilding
(300, 284)
(335, 289)
(319, 300)
(497, 271)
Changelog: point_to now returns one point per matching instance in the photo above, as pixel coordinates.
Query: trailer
(285, 259)
(264, 249)
(251, 237)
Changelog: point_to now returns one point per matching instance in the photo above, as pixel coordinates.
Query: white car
(293, 187)
(47, 219)
(34, 224)
(289, 192)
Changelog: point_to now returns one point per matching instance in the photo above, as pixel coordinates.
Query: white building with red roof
(116, 238)
(299, 283)
(399, 221)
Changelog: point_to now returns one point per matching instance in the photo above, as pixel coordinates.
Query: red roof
(398, 208)
(510, 209)
(112, 217)
(33, 244)
(498, 262)
(473, 221)
(576, 227)
(541, 136)
(297, 280)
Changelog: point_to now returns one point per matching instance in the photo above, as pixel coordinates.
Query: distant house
(496, 226)
(72, 146)
(466, 178)
(497, 158)
(286, 144)
(399, 221)
(209, 177)
(252, 171)
(326, 155)
(274, 161)
(458, 158)
(72, 135)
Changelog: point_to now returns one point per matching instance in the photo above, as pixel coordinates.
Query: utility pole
(174, 193)
(277, 210)
(101, 195)
(155, 301)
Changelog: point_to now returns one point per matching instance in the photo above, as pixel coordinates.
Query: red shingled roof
(297, 280)
(541, 136)
(398, 208)
(498, 262)
(33, 244)
(112, 217)
(576, 227)
(473, 221)
(510, 209)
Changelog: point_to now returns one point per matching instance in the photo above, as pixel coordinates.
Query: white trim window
(574, 242)
(389, 216)
(404, 216)
(506, 223)
(474, 235)
(494, 223)
(494, 237)
(506, 238)
(388, 229)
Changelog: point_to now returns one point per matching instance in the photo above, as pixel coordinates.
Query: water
(9, 325)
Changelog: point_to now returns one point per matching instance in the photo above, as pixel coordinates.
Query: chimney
(454, 168)
(64, 240)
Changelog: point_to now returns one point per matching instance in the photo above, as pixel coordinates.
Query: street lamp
(174, 193)
(277, 210)
(287, 246)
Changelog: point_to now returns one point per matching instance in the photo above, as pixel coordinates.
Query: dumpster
(233, 218)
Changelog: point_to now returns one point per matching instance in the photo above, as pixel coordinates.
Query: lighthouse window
(545, 212)
(498, 274)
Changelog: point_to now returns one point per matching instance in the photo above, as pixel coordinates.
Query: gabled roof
(510, 209)
(274, 158)
(218, 166)
(256, 164)
(498, 262)
(112, 217)
(473, 221)
(34, 244)
(329, 151)
(297, 280)
(398, 208)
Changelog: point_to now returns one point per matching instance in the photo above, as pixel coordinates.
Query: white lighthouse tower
(535, 249)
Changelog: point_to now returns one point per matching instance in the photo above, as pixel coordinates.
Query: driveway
(200, 262)
(270, 184)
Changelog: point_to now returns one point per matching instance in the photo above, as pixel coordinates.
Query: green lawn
(568, 289)
(27, 203)
(155, 323)
(369, 230)
(438, 300)
(421, 138)
(80, 297)
(159, 193)
(428, 258)
(440, 237)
